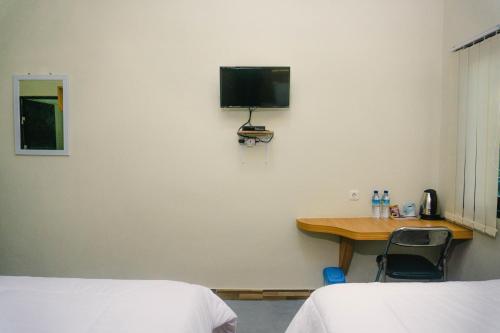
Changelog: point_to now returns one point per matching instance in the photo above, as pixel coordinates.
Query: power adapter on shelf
(253, 128)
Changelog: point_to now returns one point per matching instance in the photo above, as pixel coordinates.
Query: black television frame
(253, 106)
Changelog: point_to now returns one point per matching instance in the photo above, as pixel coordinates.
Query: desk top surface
(367, 228)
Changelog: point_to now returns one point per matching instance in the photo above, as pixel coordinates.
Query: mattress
(59, 305)
(401, 307)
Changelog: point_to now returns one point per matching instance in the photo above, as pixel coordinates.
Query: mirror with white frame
(41, 114)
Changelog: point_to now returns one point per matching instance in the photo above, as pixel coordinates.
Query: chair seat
(411, 267)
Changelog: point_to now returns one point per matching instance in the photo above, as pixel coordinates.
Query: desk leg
(345, 253)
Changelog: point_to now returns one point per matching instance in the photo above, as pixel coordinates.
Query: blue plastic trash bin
(332, 275)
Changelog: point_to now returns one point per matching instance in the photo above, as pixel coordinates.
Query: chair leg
(445, 270)
(381, 268)
(384, 269)
(378, 273)
(384, 278)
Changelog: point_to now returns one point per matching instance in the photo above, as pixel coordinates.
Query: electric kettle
(429, 206)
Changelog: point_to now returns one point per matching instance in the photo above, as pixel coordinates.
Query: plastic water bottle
(376, 205)
(386, 202)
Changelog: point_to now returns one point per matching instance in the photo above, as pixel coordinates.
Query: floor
(264, 316)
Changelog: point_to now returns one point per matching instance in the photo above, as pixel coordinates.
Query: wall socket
(354, 195)
(250, 142)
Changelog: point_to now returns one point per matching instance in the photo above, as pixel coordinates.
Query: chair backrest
(406, 236)
(422, 237)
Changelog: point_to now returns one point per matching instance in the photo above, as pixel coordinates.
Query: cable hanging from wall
(251, 135)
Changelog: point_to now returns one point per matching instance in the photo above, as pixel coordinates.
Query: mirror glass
(41, 115)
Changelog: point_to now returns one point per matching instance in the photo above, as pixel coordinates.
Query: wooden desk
(367, 228)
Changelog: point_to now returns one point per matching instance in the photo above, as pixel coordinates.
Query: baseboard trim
(268, 294)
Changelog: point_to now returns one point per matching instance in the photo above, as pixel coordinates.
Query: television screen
(263, 87)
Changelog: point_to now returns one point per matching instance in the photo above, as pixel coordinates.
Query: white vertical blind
(463, 91)
(493, 135)
(470, 137)
(478, 140)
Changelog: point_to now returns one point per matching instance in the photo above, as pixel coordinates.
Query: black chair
(412, 266)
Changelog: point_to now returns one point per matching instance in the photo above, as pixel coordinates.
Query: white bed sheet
(60, 305)
(401, 307)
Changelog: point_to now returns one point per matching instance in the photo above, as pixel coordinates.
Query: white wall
(463, 20)
(155, 186)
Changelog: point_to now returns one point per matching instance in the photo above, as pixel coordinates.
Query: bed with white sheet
(60, 305)
(440, 307)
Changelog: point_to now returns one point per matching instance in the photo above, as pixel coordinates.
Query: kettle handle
(434, 198)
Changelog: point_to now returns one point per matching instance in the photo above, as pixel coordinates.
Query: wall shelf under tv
(255, 133)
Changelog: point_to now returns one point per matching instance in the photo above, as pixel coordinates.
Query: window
(477, 185)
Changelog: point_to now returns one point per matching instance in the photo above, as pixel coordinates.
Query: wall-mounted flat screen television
(254, 87)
